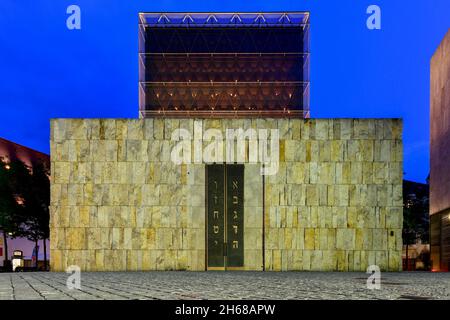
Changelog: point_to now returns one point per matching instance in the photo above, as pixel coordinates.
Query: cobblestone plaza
(219, 285)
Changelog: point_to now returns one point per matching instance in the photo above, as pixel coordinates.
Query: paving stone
(224, 285)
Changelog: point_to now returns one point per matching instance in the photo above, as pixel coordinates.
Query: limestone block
(397, 150)
(382, 150)
(166, 149)
(312, 151)
(396, 172)
(59, 151)
(361, 129)
(295, 128)
(329, 260)
(307, 260)
(368, 195)
(75, 238)
(285, 129)
(58, 128)
(282, 216)
(381, 259)
(147, 128)
(367, 173)
(363, 239)
(165, 217)
(354, 152)
(75, 194)
(321, 129)
(121, 150)
(326, 173)
(62, 172)
(158, 129)
(367, 150)
(135, 129)
(134, 149)
(77, 129)
(94, 238)
(380, 172)
(290, 150)
(316, 260)
(343, 170)
(64, 216)
(379, 239)
(342, 260)
(276, 260)
(323, 238)
(296, 173)
(314, 217)
(136, 173)
(345, 239)
(309, 238)
(346, 128)
(331, 239)
(397, 195)
(325, 217)
(188, 124)
(121, 129)
(336, 150)
(304, 129)
(341, 195)
(111, 149)
(57, 238)
(298, 195)
(324, 151)
(394, 217)
(117, 238)
(107, 129)
(252, 239)
(397, 129)
(395, 260)
(253, 217)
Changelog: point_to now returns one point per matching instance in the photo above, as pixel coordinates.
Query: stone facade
(118, 202)
(440, 155)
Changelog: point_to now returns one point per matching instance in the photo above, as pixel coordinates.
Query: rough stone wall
(336, 203)
(119, 203)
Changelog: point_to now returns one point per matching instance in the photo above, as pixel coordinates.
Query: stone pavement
(223, 285)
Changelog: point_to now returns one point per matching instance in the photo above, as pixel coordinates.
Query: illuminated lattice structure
(224, 64)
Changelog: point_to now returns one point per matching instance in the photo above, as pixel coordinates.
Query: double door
(225, 216)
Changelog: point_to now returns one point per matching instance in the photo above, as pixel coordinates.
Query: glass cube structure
(224, 64)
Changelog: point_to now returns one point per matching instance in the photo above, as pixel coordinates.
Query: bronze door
(225, 216)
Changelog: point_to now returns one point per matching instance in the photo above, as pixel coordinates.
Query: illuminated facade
(224, 65)
(121, 202)
(440, 157)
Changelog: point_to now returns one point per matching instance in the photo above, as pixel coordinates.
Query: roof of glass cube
(223, 19)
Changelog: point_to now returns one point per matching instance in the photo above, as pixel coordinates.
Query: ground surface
(219, 285)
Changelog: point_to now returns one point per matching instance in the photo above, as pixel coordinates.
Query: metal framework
(224, 64)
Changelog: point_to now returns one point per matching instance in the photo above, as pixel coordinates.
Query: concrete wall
(119, 203)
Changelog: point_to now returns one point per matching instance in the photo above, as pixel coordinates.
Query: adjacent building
(440, 156)
(10, 151)
(122, 200)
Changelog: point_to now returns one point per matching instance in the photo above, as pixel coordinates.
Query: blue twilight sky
(47, 71)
